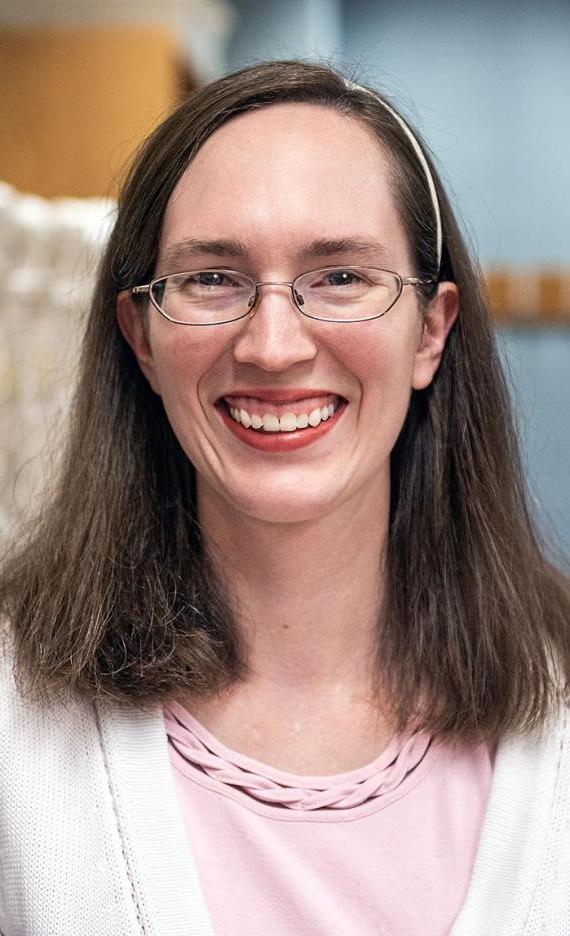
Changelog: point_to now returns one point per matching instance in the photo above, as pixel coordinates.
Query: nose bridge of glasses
(293, 294)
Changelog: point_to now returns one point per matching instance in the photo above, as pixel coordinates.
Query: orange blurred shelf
(76, 100)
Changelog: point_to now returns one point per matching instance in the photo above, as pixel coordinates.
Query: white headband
(419, 153)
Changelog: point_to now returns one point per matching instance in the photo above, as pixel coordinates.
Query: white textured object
(93, 842)
(49, 251)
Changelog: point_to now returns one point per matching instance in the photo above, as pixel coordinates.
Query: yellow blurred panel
(75, 102)
(532, 296)
(555, 294)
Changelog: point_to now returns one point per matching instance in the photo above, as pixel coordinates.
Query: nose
(275, 336)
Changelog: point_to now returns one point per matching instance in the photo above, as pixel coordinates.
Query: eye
(208, 279)
(341, 278)
(335, 282)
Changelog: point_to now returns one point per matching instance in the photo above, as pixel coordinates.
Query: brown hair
(111, 592)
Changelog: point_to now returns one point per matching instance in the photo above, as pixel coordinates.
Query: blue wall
(274, 29)
(538, 367)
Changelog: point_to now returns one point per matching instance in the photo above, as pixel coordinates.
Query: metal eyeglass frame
(295, 296)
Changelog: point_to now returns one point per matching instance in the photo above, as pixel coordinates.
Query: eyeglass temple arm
(139, 290)
(416, 281)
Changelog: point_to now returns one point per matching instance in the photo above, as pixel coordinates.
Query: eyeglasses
(332, 294)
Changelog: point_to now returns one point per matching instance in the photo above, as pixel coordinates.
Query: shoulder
(41, 741)
(33, 731)
(537, 758)
(529, 805)
(519, 882)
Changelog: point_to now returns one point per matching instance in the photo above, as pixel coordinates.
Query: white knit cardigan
(92, 842)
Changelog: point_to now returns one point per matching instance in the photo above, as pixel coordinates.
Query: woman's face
(283, 181)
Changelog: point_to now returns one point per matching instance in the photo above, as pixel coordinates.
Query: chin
(283, 510)
(278, 503)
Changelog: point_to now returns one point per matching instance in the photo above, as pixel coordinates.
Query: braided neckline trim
(271, 786)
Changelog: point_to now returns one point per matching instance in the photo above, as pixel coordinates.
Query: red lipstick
(277, 395)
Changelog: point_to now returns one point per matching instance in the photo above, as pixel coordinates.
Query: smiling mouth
(262, 416)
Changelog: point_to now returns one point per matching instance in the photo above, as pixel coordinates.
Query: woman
(284, 655)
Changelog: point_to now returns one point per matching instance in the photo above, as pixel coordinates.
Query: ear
(135, 332)
(437, 323)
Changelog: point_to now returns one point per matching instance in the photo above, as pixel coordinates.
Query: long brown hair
(111, 590)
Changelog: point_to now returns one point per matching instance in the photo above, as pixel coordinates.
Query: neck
(308, 594)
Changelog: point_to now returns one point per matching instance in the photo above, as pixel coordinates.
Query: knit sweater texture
(92, 841)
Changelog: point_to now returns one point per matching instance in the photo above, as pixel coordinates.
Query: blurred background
(83, 81)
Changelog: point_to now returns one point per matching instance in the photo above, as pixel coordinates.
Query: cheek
(181, 359)
(183, 362)
(380, 357)
(382, 360)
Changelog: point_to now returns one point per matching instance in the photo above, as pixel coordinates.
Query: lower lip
(280, 441)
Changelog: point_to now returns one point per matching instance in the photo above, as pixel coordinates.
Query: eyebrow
(362, 247)
(190, 247)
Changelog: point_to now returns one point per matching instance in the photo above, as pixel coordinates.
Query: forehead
(282, 175)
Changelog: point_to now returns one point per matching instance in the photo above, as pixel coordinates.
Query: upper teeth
(288, 422)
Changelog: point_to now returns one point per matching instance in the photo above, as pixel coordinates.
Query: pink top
(387, 848)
